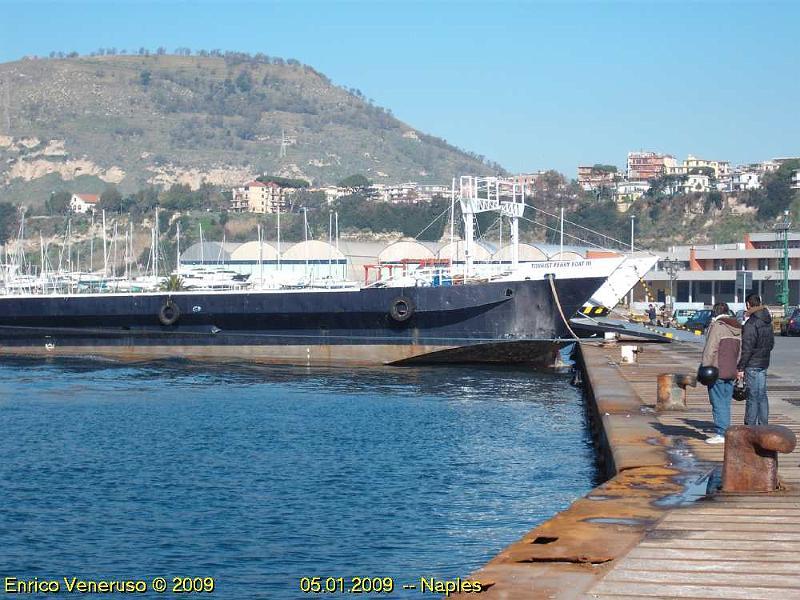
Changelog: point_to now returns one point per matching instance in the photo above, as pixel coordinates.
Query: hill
(84, 122)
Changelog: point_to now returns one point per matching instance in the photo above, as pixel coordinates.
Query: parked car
(684, 314)
(699, 321)
(791, 326)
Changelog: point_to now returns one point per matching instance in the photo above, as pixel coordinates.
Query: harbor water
(258, 477)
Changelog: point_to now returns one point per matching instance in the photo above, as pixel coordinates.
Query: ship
(464, 315)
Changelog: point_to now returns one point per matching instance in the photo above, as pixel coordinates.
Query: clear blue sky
(530, 84)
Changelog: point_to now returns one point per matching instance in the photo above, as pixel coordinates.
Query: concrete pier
(659, 527)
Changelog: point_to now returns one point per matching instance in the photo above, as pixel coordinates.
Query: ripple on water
(258, 476)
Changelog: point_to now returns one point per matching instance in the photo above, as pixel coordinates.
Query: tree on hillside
(355, 182)
(57, 203)
(283, 181)
(144, 78)
(309, 200)
(244, 82)
(8, 221)
(707, 171)
(600, 168)
(666, 185)
(111, 199)
(776, 194)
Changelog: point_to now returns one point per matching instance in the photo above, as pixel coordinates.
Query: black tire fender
(169, 313)
(401, 309)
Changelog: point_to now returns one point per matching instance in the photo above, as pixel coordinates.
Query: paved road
(786, 358)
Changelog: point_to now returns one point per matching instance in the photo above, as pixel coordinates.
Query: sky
(531, 85)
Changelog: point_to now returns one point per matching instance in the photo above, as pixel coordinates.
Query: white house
(796, 179)
(83, 203)
(696, 183)
(745, 180)
(627, 192)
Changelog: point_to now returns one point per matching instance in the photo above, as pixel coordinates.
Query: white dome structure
(527, 253)
(406, 250)
(209, 252)
(454, 251)
(250, 251)
(312, 250)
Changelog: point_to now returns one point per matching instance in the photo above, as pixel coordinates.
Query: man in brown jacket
(723, 343)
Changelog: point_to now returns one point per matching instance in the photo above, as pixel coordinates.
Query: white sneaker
(715, 439)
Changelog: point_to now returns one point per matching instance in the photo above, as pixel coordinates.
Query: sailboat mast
(105, 253)
(279, 236)
(155, 246)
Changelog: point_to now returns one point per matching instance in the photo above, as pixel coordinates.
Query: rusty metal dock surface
(652, 530)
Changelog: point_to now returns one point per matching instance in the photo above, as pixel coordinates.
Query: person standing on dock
(723, 342)
(651, 314)
(757, 343)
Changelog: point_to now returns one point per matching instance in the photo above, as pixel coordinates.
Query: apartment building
(594, 178)
(259, 197)
(644, 166)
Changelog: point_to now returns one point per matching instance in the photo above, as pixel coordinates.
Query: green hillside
(164, 119)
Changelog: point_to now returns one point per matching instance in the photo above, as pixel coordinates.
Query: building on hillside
(627, 192)
(707, 274)
(83, 203)
(428, 192)
(527, 182)
(742, 181)
(644, 166)
(720, 168)
(768, 166)
(409, 192)
(592, 178)
(259, 197)
(696, 183)
(332, 192)
(795, 182)
(397, 192)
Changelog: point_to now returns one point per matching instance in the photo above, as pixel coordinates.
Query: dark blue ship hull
(514, 321)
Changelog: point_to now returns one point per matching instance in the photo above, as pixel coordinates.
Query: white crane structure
(490, 194)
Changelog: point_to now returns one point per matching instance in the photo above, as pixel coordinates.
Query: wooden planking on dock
(731, 546)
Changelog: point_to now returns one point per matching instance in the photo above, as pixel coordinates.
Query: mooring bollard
(751, 457)
(672, 392)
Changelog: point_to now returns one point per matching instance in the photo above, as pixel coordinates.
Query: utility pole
(783, 229)
(284, 143)
(630, 298)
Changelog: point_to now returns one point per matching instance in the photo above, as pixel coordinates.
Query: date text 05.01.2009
(386, 585)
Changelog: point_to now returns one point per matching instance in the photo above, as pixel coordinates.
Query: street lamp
(671, 265)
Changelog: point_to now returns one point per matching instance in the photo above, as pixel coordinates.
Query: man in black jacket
(757, 344)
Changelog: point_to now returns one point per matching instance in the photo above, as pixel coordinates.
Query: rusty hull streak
(565, 556)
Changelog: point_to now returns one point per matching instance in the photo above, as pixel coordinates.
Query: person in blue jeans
(722, 351)
(757, 343)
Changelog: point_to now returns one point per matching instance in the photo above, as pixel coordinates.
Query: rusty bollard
(672, 391)
(751, 457)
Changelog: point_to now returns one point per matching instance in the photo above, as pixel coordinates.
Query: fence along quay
(658, 527)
